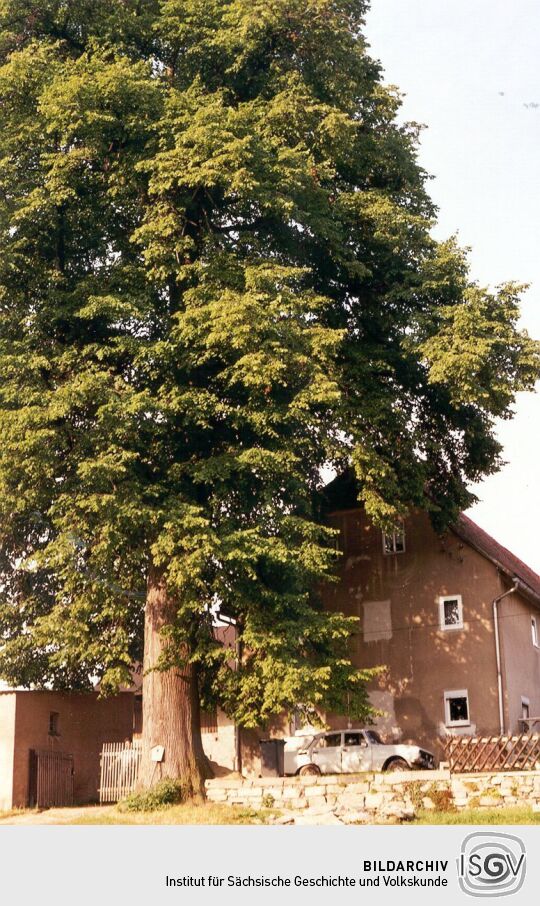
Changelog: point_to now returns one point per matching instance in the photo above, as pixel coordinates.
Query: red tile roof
(511, 565)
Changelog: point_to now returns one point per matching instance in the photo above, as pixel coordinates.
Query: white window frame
(456, 693)
(398, 531)
(449, 627)
(534, 632)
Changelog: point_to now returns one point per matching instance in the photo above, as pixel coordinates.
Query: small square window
(534, 632)
(394, 542)
(456, 708)
(451, 612)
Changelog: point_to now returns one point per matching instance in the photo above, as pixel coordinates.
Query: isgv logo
(491, 865)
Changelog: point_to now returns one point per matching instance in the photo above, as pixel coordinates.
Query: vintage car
(350, 751)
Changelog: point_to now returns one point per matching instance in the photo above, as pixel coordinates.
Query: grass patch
(494, 816)
(186, 813)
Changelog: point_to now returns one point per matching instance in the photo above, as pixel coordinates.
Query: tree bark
(171, 715)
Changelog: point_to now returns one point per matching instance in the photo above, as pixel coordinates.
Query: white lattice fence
(493, 753)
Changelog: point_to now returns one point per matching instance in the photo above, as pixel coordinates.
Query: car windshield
(373, 737)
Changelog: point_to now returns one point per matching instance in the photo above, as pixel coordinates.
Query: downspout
(498, 650)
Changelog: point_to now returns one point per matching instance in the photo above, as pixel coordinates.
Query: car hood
(403, 750)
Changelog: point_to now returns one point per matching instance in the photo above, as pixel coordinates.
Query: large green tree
(217, 276)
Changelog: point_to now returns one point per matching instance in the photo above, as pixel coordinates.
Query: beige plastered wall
(7, 746)
(520, 659)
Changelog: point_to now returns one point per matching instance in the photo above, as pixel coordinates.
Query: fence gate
(51, 779)
(120, 762)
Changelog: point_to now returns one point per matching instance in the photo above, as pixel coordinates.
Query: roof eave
(523, 588)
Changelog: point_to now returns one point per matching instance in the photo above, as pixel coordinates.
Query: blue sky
(467, 69)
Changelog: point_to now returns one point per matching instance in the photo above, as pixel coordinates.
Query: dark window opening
(53, 723)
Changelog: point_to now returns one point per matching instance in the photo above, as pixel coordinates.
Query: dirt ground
(55, 815)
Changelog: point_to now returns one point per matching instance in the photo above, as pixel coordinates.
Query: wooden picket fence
(493, 753)
(120, 762)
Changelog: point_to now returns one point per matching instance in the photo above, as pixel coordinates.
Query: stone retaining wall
(382, 793)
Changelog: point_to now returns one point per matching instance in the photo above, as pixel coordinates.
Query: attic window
(394, 542)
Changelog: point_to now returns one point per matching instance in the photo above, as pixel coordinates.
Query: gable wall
(422, 660)
(521, 659)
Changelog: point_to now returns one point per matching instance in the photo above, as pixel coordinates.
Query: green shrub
(163, 794)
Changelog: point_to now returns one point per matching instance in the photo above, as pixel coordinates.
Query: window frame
(54, 720)
(525, 703)
(456, 693)
(442, 599)
(398, 531)
(362, 742)
(534, 632)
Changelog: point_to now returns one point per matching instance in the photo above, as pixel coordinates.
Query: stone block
(358, 788)
(374, 800)
(290, 792)
(358, 817)
(216, 795)
(351, 800)
(327, 819)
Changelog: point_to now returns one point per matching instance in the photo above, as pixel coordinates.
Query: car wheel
(309, 770)
(397, 764)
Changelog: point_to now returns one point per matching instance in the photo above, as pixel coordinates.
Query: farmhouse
(455, 619)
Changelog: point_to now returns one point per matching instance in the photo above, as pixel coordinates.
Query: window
(53, 723)
(451, 612)
(394, 542)
(355, 739)
(534, 632)
(373, 737)
(332, 741)
(456, 708)
(525, 708)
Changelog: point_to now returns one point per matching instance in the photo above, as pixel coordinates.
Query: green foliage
(217, 276)
(163, 794)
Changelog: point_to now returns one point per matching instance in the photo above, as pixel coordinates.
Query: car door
(326, 753)
(356, 753)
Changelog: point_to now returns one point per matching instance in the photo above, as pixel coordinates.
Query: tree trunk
(171, 716)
